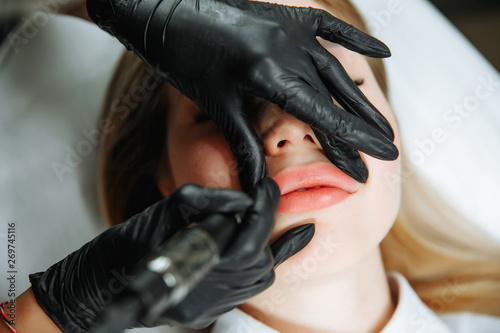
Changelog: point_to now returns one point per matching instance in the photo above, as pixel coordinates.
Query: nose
(289, 134)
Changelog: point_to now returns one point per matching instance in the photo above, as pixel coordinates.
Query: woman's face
(350, 218)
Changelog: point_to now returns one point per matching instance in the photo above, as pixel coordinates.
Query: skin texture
(339, 276)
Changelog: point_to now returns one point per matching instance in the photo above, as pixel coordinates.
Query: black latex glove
(217, 51)
(246, 268)
(74, 291)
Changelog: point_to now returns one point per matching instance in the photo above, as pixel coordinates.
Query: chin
(344, 236)
(328, 252)
(320, 260)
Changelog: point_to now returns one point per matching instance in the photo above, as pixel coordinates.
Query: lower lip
(298, 202)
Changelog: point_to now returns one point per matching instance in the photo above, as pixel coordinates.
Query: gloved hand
(74, 291)
(246, 268)
(217, 51)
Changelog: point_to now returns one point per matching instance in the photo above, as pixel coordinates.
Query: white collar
(411, 315)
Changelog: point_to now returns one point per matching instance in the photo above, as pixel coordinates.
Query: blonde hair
(134, 142)
(449, 263)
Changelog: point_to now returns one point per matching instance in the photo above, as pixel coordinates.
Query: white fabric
(410, 316)
(51, 89)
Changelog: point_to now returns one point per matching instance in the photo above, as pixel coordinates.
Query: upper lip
(312, 176)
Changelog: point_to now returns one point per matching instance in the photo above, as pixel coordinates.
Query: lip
(313, 187)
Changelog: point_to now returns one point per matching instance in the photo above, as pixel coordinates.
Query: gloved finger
(346, 92)
(291, 242)
(310, 106)
(344, 157)
(193, 202)
(328, 27)
(243, 141)
(239, 276)
(213, 304)
(242, 293)
(337, 31)
(256, 228)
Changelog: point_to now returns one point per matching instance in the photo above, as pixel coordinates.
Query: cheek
(381, 195)
(383, 191)
(383, 188)
(207, 162)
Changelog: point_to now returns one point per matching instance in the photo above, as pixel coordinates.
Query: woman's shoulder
(464, 322)
(412, 315)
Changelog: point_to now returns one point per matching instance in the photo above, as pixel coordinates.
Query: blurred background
(478, 20)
